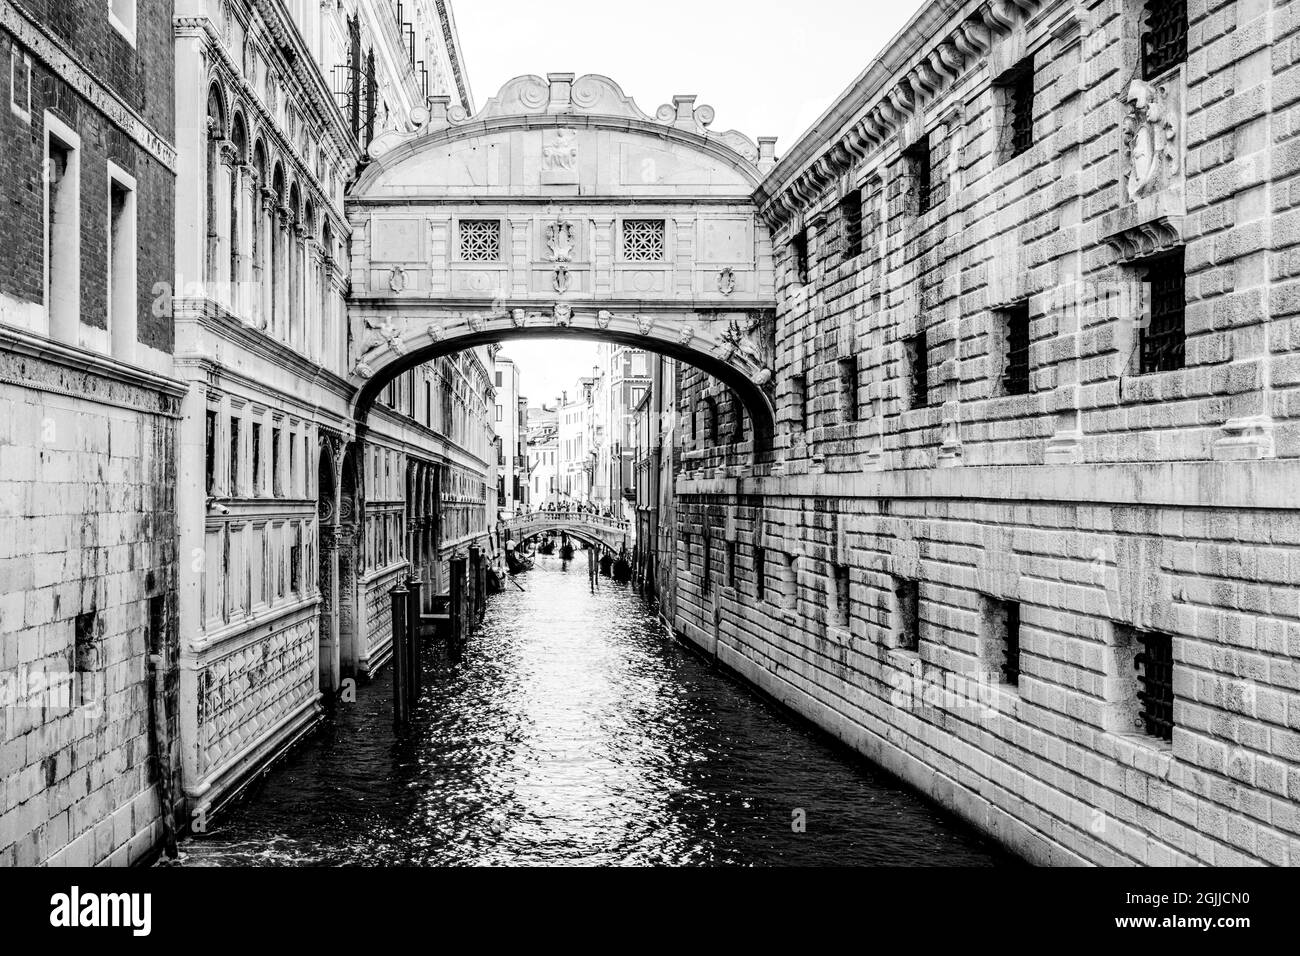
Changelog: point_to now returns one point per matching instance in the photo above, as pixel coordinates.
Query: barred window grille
(918, 361)
(908, 595)
(1163, 341)
(1155, 666)
(1011, 643)
(1164, 36)
(1015, 376)
(643, 240)
(919, 162)
(851, 223)
(1021, 91)
(799, 245)
(480, 240)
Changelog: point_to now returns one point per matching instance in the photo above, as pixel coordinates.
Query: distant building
(577, 441)
(510, 420)
(543, 456)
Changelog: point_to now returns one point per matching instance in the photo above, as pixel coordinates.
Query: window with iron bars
(1018, 87)
(851, 223)
(1163, 341)
(1015, 337)
(918, 163)
(799, 246)
(1003, 633)
(918, 365)
(1155, 666)
(1164, 36)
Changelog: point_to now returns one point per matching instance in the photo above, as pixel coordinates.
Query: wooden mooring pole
(413, 606)
(401, 658)
(456, 604)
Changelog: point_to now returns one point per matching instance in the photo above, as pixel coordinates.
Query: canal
(572, 729)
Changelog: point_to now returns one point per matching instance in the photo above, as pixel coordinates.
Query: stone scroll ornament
(559, 241)
(1151, 131)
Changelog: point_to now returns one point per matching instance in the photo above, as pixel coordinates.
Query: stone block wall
(867, 578)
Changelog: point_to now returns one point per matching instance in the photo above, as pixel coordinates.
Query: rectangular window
(121, 265)
(498, 413)
(907, 627)
(295, 559)
(480, 240)
(20, 84)
(643, 240)
(799, 398)
(1017, 92)
(851, 223)
(257, 458)
(1164, 36)
(799, 248)
(919, 171)
(275, 463)
(293, 467)
(731, 563)
(498, 378)
(849, 388)
(918, 366)
(707, 579)
(234, 457)
(1015, 345)
(1155, 666)
(1002, 634)
(121, 14)
(62, 233)
(843, 607)
(1163, 341)
(760, 572)
(210, 445)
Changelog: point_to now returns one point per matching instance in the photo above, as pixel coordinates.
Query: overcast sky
(768, 67)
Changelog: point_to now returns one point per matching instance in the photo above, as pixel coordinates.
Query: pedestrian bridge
(596, 529)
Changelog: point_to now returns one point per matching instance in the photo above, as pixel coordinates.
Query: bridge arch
(610, 533)
(563, 209)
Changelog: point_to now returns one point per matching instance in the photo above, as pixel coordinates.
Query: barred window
(1002, 623)
(1015, 333)
(849, 388)
(1155, 666)
(851, 223)
(1163, 341)
(919, 163)
(1164, 36)
(643, 240)
(907, 630)
(918, 366)
(1019, 86)
(480, 240)
(799, 246)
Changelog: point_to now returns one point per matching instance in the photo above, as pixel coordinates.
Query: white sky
(768, 67)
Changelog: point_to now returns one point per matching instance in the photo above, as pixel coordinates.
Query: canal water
(573, 729)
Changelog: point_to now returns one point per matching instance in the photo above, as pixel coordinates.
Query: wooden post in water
(401, 643)
(415, 588)
(457, 593)
(476, 574)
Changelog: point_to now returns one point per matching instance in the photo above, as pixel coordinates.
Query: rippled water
(573, 729)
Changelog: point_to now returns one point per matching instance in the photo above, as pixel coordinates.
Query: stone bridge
(611, 533)
(563, 209)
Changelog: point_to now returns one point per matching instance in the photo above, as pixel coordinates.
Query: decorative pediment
(1148, 238)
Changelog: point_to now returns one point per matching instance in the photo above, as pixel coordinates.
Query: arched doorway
(346, 531)
(329, 663)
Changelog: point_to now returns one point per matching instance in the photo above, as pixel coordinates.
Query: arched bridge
(562, 209)
(612, 533)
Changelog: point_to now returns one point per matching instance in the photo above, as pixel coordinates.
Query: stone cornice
(938, 46)
(53, 52)
(451, 37)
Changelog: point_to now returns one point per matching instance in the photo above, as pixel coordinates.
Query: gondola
(622, 568)
(517, 563)
(566, 552)
(606, 562)
(546, 547)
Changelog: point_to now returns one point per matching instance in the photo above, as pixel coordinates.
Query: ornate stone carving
(362, 370)
(384, 335)
(727, 281)
(644, 323)
(685, 334)
(1152, 130)
(476, 321)
(435, 332)
(1147, 238)
(560, 151)
(518, 317)
(559, 241)
(751, 342)
(563, 315)
(397, 279)
(561, 280)
(603, 318)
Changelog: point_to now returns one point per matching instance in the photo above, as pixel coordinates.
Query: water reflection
(573, 730)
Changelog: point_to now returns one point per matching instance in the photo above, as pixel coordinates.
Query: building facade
(88, 430)
(1027, 538)
(296, 518)
(579, 434)
(543, 456)
(625, 378)
(511, 424)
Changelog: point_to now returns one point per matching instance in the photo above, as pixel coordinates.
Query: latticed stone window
(1164, 36)
(480, 240)
(643, 240)
(1163, 341)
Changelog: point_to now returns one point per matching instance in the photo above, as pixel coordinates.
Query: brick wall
(1106, 503)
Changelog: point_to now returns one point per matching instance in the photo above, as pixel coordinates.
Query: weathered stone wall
(1103, 500)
